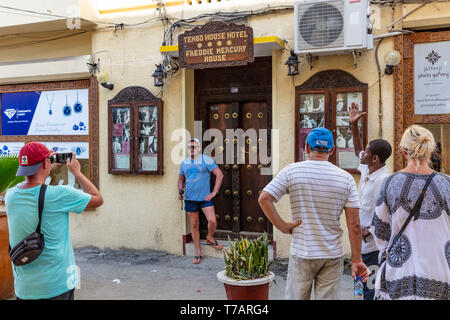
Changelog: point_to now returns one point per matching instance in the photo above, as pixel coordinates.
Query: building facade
(86, 71)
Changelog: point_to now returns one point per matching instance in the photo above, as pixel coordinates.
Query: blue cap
(320, 137)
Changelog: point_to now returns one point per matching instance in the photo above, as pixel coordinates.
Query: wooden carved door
(244, 128)
(220, 117)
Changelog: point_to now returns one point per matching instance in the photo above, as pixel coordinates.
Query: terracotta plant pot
(255, 289)
(6, 276)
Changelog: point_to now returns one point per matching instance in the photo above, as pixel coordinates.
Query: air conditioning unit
(324, 27)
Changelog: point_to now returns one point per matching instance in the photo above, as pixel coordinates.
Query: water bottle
(358, 290)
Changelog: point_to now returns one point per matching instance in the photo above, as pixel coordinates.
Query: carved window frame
(404, 89)
(92, 138)
(135, 97)
(330, 83)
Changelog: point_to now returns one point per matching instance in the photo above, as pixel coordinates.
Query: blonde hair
(418, 143)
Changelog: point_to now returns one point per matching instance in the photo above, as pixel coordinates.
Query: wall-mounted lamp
(158, 76)
(292, 64)
(103, 78)
(392, 58)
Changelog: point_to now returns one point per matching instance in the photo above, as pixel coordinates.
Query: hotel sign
(216, 44)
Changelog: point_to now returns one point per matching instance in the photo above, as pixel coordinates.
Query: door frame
(201, 114)
(203, 98)
(404, 115)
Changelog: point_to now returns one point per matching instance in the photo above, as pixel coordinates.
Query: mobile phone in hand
(62, 157)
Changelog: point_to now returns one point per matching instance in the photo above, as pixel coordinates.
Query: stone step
(208, 251)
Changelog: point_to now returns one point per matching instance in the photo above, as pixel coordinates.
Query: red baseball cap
(30, 158)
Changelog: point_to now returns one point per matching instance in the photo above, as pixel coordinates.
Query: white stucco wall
(143, 211)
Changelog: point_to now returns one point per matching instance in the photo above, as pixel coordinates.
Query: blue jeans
(370, 259)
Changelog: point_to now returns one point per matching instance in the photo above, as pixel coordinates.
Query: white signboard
(58, 112)
(432, 78)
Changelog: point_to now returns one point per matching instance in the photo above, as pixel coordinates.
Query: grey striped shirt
(318, 192)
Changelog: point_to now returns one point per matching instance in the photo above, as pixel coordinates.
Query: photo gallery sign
(432, 78)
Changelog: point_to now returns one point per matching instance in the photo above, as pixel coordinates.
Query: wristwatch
(181, 191)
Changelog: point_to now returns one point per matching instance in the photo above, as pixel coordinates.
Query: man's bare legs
(195, 229)
(195, 233)
(212, 225)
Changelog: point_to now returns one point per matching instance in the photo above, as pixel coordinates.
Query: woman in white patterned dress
(418, 265)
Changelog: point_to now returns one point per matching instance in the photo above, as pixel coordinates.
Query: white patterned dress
(418, 266)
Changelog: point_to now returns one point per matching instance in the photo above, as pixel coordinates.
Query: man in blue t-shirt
(53, 275)
(195, 173)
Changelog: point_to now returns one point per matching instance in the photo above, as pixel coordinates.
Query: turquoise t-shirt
(197, 175)
(54, 272)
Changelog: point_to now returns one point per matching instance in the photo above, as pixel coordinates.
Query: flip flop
(197, 259)
(215, 244)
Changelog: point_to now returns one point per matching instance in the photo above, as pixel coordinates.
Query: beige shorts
(324, 274)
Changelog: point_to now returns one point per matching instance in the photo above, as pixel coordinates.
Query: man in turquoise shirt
(53, 275)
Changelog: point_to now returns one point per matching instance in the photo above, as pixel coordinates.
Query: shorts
(194, 206)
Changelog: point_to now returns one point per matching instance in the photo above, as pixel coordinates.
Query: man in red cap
(53, 274)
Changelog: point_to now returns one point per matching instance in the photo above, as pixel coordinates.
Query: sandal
(215, 244)
(197, 259)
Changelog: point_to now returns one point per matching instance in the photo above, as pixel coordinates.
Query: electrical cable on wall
(173, 22)
(380, 99)
(169, 63)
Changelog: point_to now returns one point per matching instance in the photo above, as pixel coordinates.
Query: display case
(324, 101)
(345, 149)
(135, 132)
(120, 120)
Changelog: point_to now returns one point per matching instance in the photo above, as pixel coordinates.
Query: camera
(62, 157)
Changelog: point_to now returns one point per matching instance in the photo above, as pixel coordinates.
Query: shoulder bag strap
(41, 206)
(414, 212)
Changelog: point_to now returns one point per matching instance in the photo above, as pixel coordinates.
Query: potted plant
(8, 179)
(246, 275)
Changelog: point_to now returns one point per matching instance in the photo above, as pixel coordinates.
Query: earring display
(77, 107)
(67, 110)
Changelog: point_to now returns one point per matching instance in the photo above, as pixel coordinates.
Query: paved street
(130, 275)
